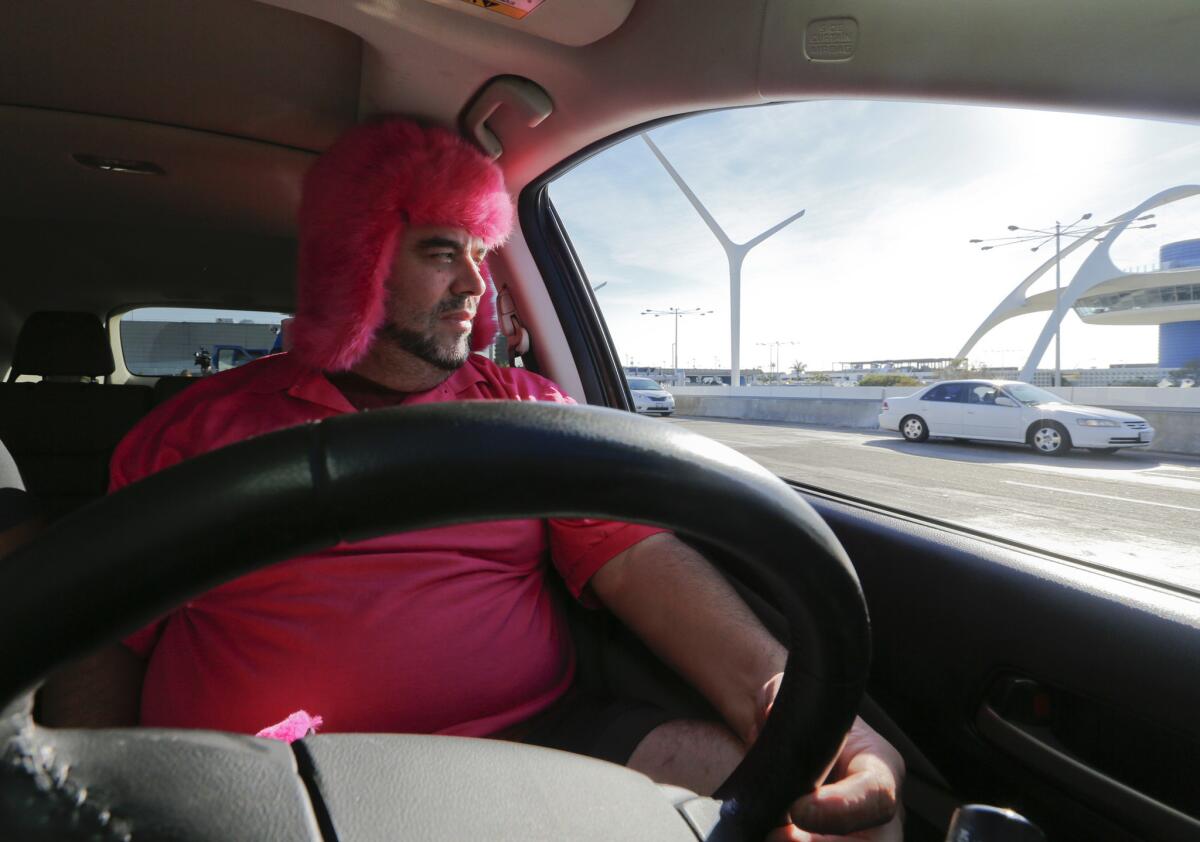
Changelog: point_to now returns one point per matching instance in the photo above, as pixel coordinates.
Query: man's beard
(448, 356)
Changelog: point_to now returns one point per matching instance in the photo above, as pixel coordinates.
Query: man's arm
(673, 599)
(686, 612)
(103, 690)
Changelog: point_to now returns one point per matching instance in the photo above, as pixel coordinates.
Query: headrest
(10, 474)
(17, 506)
(170, 385)
(61, 344)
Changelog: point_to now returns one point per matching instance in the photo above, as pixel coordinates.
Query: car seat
(62, 430)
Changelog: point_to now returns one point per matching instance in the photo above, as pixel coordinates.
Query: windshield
(644, 384)
(791, 269)
(1032, 395)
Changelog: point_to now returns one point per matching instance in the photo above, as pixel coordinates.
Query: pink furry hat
(357, 198)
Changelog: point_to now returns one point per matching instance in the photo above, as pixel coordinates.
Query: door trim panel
(951, 609)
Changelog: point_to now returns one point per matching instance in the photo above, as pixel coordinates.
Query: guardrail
(1174, 413)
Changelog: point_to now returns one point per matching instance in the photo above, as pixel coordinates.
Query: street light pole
(676, 312)
(770, 357)
(773, 360)
(1058, 300)
(675, 348)
(1041, 237)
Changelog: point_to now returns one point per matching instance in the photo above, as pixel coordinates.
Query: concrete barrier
(1176, 430)
(852, 414)
(1174, 413)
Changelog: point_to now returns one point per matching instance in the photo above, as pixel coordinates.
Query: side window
(803, 265)
(981, 393)
(946, 393)
(157, 341)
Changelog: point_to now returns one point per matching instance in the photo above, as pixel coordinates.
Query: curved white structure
(1097, 276)
(734, 252)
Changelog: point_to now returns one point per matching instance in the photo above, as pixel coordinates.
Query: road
(1137, 512)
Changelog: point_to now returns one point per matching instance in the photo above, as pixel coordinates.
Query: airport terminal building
(1179, 342)
(1169, 298)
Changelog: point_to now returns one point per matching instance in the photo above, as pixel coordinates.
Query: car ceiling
(233, 98)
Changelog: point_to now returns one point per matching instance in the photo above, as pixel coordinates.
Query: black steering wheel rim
(358, 476)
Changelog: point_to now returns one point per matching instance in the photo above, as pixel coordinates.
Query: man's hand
(860, 798)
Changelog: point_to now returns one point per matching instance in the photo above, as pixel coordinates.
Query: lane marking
(1134, 476)
(1103, 496)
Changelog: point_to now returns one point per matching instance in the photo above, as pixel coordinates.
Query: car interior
(153, 153)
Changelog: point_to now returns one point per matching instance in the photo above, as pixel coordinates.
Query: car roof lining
(223, 66)
(297, 72)
(212, 181)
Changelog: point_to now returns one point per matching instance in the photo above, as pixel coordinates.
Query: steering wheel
(126, 559)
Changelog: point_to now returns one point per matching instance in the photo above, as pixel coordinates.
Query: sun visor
(567, 22)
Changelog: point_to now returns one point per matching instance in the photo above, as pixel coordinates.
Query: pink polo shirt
(452, 630)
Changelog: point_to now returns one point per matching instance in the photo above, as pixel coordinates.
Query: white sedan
(1004, 410)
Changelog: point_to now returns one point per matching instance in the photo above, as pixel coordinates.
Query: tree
(889, 380)
(798, 368)
(962, 369)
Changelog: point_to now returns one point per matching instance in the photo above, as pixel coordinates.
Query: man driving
(453, 630)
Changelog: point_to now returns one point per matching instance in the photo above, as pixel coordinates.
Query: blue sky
(880, 266)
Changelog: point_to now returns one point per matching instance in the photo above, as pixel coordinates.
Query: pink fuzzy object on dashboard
(296, 727)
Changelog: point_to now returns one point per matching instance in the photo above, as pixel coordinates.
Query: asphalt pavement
(1132, 511)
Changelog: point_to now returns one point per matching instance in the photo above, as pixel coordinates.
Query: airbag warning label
(831, 39)
(509, 8)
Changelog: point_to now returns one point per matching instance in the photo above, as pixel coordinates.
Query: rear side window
(157, 341)
(947, 393)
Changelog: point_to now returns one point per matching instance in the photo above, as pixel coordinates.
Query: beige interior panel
(99, 268)
(230, 66)
(1133, 58)
(211, 181)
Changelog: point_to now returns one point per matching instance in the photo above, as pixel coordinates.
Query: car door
(985, 419)
(943, 407)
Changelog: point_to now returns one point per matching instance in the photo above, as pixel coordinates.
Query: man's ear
(517, 336)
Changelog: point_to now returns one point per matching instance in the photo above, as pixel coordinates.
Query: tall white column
(734, 252)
